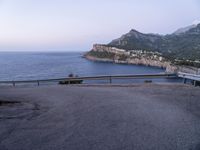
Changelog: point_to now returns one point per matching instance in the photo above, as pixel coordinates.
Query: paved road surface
(140, 117)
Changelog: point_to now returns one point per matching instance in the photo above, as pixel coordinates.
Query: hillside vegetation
(181, 46)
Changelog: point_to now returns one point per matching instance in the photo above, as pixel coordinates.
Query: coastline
(103, 53)
(168, 68)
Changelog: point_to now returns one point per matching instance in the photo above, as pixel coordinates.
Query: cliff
(137, 57)
(179, 51)
(106, 53)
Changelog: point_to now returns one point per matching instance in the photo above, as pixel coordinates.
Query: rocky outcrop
(105, 48)
(107, 53)
(136, 57)
(172, 68)
(184, 69)
(93, 58)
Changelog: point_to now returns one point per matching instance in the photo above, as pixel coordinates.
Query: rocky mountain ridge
(171, 51)
(185, 29)
(182, 46)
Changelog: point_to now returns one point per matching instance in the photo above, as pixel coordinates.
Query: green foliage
(188, 63)
(183, 46)
(102, 54)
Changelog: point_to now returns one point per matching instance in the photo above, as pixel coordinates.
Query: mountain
(185, 29)
(137, 41)
(184, 44)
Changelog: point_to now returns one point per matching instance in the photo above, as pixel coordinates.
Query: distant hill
(184, 44)
(185, 29)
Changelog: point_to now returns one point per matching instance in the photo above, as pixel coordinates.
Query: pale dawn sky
(74, 25)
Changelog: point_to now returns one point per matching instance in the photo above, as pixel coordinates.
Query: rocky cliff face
(175, 52)
(137, 57)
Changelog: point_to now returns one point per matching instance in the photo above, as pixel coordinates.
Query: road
(132, 117)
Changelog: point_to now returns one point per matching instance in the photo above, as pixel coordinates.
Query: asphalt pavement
(132, 117)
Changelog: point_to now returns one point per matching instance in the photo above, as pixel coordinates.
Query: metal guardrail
(109, 78)
(195, 78)
(189, 76)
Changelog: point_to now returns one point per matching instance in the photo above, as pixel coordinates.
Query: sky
(75, 25)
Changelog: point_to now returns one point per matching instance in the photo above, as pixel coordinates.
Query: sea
(15, 66)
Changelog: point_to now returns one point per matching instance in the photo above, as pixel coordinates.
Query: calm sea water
(25, 66)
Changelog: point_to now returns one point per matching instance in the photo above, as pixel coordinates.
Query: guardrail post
(185, 80)
(195, 83)
(110, 79)
(14, 83)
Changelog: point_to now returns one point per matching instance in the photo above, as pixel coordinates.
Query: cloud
(195, 22)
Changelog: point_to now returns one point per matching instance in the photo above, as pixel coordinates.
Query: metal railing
(186, 76)
(108, 78)
(189, 76)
